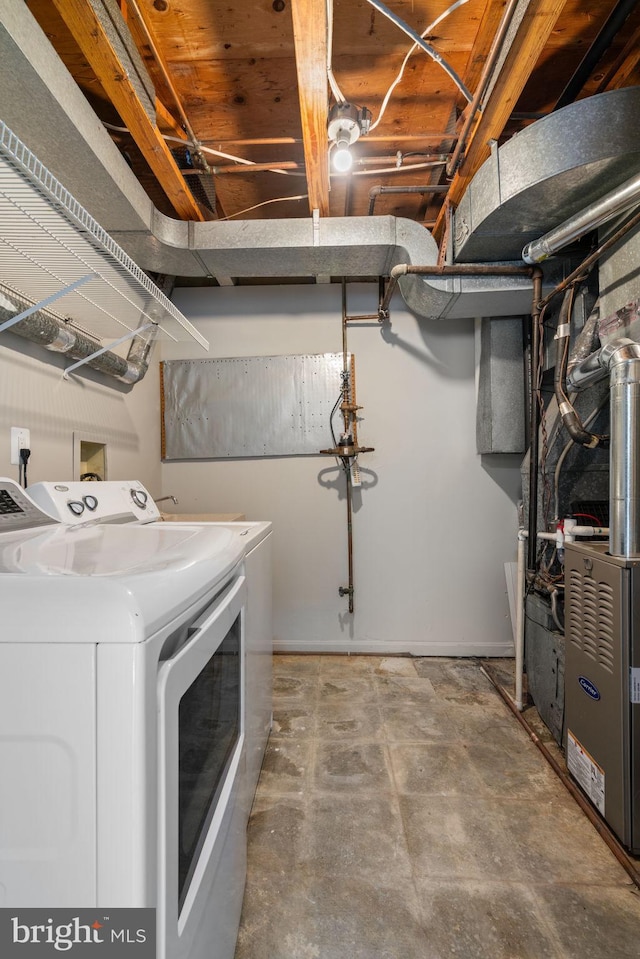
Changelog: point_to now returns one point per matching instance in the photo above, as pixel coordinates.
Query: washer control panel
(118, 501)
(17, 509)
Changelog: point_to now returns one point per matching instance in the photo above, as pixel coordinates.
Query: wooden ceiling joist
(527, 43)
(310, 40)
(96, 47)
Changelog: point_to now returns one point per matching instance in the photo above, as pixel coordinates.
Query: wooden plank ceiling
(243, 87)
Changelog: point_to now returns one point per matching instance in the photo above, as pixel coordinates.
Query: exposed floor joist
(310, 39)
(527, 43)
(96, 47)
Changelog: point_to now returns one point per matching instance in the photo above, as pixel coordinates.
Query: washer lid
(125, 581)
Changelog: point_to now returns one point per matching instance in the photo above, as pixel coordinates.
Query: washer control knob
(76, 507)
(139, 497)
(91, 502)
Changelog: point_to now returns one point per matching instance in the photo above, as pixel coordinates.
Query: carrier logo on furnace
(589, 688)
(42, 932)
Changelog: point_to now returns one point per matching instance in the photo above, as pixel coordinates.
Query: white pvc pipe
(572, 529)
(522, 539)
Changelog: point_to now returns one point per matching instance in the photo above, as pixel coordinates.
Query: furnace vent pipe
(617, 201)
(621, 359)
(624, 476)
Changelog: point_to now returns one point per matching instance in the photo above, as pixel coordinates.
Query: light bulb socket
(347, 122)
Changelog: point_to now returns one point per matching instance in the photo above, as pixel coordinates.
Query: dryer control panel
(112, 501)
(18, 510)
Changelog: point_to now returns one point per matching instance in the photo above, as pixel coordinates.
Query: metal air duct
(546, 174)
(55, 335)
(502, 209)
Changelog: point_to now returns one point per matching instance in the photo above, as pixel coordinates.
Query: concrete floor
(403, 813)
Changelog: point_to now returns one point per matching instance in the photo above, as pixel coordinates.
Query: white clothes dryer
(128, 501)
(123, 717)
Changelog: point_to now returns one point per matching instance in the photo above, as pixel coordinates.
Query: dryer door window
(209, 728)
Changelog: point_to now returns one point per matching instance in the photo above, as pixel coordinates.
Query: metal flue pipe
(624, 476)
(616, 201)
(621, 359)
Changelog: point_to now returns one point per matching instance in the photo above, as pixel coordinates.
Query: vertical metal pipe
(624, 507)
(347, 473)
(345, 460)
(534, 421)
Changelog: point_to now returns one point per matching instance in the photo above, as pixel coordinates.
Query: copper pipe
(599, 824)
(371, 138)
(349, 589)
(255, 167)
(483, 83)
(376, 191)
(294, 165)
(347, 465)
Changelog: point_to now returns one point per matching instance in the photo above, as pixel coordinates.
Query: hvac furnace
(602, 683)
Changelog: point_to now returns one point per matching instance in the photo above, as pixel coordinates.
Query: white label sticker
(634, 684)
(584, 768)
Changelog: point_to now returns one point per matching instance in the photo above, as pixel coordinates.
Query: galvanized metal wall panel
(250, 405)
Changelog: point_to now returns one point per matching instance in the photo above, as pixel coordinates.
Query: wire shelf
(52, 250)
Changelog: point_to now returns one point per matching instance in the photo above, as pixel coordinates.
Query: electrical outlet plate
(20, 440)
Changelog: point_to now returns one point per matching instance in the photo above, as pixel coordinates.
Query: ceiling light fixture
(346, 124)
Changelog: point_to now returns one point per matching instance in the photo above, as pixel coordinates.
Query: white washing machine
(123, 719)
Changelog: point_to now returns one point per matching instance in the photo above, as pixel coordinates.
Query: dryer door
(202, 848)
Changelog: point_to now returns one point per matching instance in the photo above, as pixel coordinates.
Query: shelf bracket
(127, 336)
(46, 302)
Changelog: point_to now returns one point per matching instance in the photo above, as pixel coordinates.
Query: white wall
(433, 524)
(34, 395)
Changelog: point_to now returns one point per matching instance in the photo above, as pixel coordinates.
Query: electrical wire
(396, 169)
(589, 516)
(544, 451)
(420, 42)
(412, 49)
(23, 457)
(331, 415)
(196, 147)
(343, 462)
(333, 83)
(277, 199)
(249, 163)
(219, 153)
